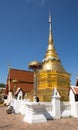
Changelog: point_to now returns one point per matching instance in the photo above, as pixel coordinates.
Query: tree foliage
(2, 85)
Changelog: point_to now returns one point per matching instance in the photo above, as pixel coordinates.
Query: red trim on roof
(77, 81)
(75, 90)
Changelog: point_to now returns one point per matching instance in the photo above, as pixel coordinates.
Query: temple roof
(77, 81)
(21, 75)
(75, 89)
(21, 79)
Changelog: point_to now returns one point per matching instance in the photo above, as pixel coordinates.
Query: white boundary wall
(51, 110)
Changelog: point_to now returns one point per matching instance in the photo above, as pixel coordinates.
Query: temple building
(74, 91)
(52, 75)
(19, 79)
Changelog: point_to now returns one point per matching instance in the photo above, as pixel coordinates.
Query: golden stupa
(52, 75)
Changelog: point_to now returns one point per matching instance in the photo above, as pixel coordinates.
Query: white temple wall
(48, 110)
(71, 97)
(65, 109)
(74, 109)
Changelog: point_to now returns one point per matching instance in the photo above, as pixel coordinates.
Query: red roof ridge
(21, 70)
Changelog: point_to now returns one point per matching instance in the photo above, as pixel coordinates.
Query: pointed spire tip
(49, 17)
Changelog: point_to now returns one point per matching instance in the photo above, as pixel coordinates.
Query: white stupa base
(34, 113)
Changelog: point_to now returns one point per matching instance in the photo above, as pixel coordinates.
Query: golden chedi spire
(52, 75)
(51, 52)
(51, 60)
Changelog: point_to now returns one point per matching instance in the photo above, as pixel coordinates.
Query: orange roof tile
(25, 79)
(21, 75)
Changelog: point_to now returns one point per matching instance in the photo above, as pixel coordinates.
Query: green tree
(2, 85)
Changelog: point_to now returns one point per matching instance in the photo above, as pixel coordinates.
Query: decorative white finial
(49, 17)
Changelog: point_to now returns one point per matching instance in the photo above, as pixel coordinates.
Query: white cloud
(40, 3)
(43, 2)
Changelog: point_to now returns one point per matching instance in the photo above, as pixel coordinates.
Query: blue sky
(24, 33)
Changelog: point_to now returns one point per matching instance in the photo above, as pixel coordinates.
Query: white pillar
(56, 110)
